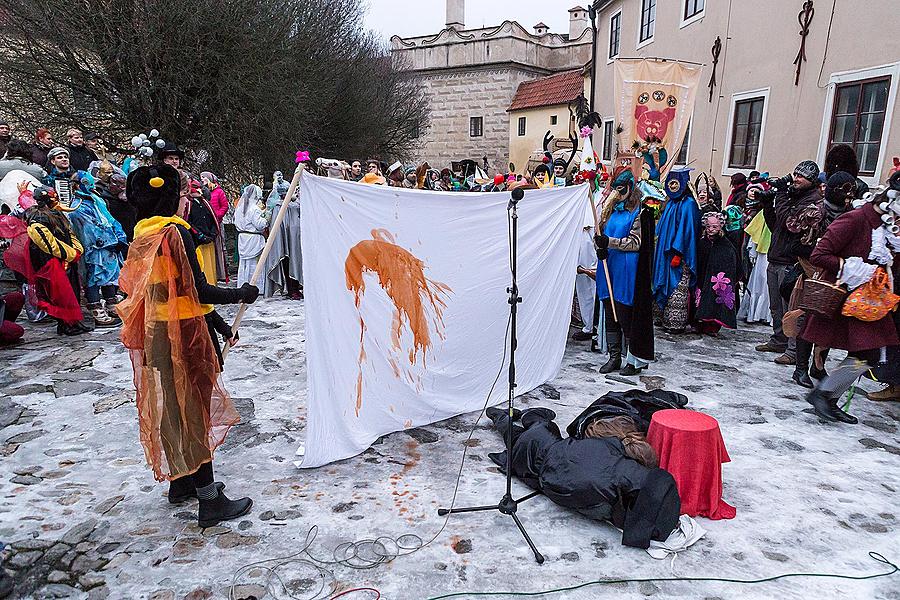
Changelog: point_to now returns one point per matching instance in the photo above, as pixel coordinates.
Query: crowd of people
(665, 248)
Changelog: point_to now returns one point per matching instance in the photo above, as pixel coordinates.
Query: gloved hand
(249, 293)
(676, 261)
(602, 253)
(601, 241)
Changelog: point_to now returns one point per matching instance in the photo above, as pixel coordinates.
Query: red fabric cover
(691, 448)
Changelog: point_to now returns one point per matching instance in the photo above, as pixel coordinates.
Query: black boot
(614, 343)
(182, 489)
(495, 412)
(215, 510)
(801, 364)
(825, 406)
(817, 373)
(629, 370)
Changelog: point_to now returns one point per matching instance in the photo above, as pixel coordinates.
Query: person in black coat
(592, 476)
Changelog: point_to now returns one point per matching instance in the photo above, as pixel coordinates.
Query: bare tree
(245, 81)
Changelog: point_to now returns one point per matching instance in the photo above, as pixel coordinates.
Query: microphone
(517, 194)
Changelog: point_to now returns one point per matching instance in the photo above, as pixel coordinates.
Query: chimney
(541, 29)
(456, 14)
(578, 22)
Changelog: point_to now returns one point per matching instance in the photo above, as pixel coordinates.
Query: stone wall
(454, 97)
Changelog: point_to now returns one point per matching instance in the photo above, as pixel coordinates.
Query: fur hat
(154, 191)
(841, 157)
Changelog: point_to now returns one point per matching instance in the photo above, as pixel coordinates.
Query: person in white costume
(250, 221)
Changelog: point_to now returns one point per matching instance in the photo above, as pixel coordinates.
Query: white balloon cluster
(144, 143)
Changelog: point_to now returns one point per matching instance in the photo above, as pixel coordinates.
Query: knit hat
(154, 191)
(738, 179)
(808, 170)
(56, 152)
(840, 187)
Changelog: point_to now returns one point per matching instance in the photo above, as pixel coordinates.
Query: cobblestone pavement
(83, 518)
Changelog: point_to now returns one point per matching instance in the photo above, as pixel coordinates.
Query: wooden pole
(612, 301)
(260, 265)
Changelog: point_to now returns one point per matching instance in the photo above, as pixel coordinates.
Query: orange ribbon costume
(183, 409)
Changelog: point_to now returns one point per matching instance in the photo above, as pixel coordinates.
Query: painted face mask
(713, 225)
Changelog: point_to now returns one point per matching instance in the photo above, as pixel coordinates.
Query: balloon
(154, 133)
(160, 143)
(146, 143)
(143, 137)
(147, 151)
(136, 142)
(499, 179)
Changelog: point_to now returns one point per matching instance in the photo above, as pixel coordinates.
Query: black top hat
(170, 149)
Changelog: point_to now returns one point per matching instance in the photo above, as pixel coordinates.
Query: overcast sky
(422, 17)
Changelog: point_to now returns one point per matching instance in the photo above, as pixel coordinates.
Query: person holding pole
(625, 249)
(184, 412)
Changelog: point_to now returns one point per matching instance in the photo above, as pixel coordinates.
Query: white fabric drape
(370, 369)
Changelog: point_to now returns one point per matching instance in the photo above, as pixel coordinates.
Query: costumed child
(104, 243)
(715, 298)
(169, 327)
(45, 251)
(675, 261)
(625, 245)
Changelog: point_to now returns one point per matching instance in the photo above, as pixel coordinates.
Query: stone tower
(456, 14)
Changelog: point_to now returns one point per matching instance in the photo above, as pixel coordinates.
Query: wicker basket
(822, 298)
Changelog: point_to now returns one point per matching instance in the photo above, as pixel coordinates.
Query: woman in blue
(626, 244)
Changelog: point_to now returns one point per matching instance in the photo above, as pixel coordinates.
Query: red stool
(690, 447)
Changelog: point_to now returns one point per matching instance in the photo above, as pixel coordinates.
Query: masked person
(626, 245)
(104, 244)
(251, 223)
(284, 264)
(857, 250)
(675, 260)
(793, 213)
(183, 410)
(715, 298)
(559, 172)
(45, 251)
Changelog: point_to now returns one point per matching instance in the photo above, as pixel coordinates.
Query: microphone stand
(508, 505)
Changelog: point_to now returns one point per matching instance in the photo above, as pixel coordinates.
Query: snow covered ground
(81, 511)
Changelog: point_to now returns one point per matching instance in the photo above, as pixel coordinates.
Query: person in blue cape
(626, 245)
(675, 261)
(104, 244)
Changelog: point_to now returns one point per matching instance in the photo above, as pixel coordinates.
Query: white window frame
(729, 131)
(687, 141)
(650, 39)
(892, 70)
(610, 59)
(612, 151)
(698, 17)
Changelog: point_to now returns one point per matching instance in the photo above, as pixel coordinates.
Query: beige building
(471, 75)
(757, 117)
(543, 106)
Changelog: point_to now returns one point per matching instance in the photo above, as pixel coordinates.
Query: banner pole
(260, 265)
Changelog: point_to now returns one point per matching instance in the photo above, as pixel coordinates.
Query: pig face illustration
(653, 123)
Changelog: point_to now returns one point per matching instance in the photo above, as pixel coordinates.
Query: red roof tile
(561, 88)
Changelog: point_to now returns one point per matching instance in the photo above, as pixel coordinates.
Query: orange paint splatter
(402, 276)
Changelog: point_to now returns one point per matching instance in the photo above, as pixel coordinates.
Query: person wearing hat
(80, 155)
(625, 244)
(410, 177)
(675, 261)
(59, 166)
(793, 213)
(171, 155)
(183, 411)
(46, 253)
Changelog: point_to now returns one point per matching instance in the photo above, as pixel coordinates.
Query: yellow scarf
(153, 225)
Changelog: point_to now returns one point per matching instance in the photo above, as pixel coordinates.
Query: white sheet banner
(406, 304)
